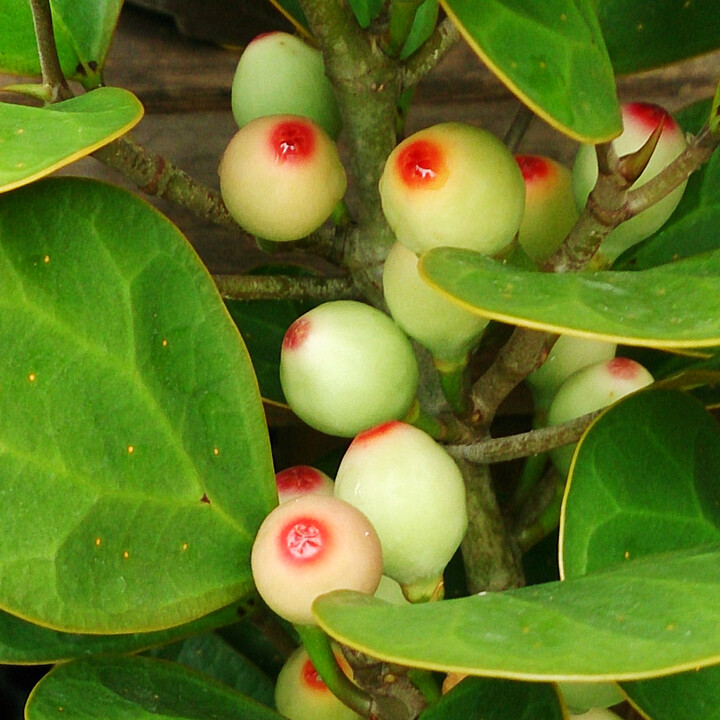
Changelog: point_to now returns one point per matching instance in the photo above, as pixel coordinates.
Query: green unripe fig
(346, 366)
(453, 185)
(445, 328)
(566, 356)
(580, 697)
(414, 495)
(301, 480)
(281, 177)
(592, 388)
(279, 74)
(639, 121)
(301, 694)
(309, 546)
(596, 714)
(550, 210)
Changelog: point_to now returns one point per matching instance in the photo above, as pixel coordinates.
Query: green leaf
(210, 654)
(644, 481)
(37, 141)
(135, 465)
(646, 618)
(643, 34)
(494, 699)
(422, 28)
(365, 10)
(671, 306)
(23, 643)
(83, 31)
(137, 688)
(551, 55)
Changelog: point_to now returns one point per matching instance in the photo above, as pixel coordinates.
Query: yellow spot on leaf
(164, 342)
(20, 131)
(32, 377)
(184, 546)
(46, 259)
(640, 27)
(126, 554)
(670, 627)
(98, 542)
(216, 451)
(626, 555)
(131, 449)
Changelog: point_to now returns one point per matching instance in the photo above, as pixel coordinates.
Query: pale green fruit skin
(446, 329)
(670, 145)
(550, 210)
(476, 204)
(350, 559)
(580, 697)
(354, 368)
(566, 356)
(280, 201)
(390, 591)
(279, 74)
(592, 388)
(413, 494)
(297, 699)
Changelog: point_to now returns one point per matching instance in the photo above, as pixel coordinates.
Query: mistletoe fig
(346, 366)
(445, 328)
(568, 354)
(301, 694)
(639, 121)
(591, 388)
(550, 209)
(300, 480)
(453, 185)
(281, 177)
(414, 495)
(309, 546)
(279, 74)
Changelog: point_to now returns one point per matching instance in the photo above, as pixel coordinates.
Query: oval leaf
(135, 464)
(35, 142)
(671, 306)
(646, 618)
(83, 31)
(551, 55)
(139, 688)
(644, 481)
(643, 34)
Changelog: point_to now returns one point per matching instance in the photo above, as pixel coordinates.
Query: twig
(418, 65)
(275, 287)
(52, 73)
(512, 447)
(520, 123)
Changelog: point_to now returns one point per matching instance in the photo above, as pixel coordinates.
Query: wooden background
(185, 83)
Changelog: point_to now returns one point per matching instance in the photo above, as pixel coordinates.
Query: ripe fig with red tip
(302, 480)
(281, 177)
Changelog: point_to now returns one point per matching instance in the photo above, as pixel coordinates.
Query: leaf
(137, 688)
(365, 10)
(644, 481)
(422, 28)
(551, 55)
(37, 141)
(210, 654)
(135, 465)
(646, 618)
(494, 699)
(292, 10)
(643, 34)
(23, 643)
(671, 306)
(83, 31)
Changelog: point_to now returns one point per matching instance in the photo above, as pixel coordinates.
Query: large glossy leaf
(551, 54)
(135, 464)
(495, 699)
(643, 34)
(644, 481)
(24, 643)
(675, 305)
(37, 141)
(137, 688)
(646, 618)
(83, 31)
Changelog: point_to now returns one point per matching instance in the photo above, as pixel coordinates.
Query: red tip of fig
(649, 116)
(298, 479)
(623, 368)
(311, 677)
(303, 540)
(533, 167)
(376, 432)
(421, 164)
(296, 334)
(292, 141)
